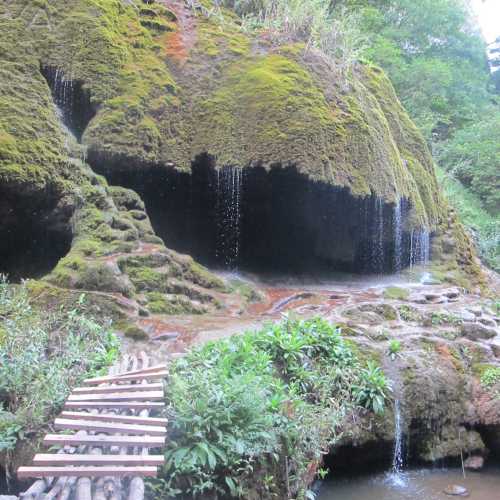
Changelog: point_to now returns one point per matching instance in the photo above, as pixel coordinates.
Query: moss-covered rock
(233, 97)
(163, 87)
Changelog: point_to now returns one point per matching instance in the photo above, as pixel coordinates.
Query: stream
(417, 484)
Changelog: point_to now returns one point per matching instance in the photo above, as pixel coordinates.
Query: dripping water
(71, 98)
(377, 257)
(398, 236)
(419, 247)
(424, 246)
(229, 181)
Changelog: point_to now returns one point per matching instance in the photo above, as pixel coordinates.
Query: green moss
(194, 272)
(490, 376)
(408, 313)
(146, 279)
(245, 289)
(159, 303)
(135, 333)
(267, 100)
(396, 293)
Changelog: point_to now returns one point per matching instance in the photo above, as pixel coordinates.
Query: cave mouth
(33, 237)
(271, 220)
(71, 98)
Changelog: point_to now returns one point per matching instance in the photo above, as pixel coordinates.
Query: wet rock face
(272, 220)
(34, 235)
(477, 331)
(446, 383)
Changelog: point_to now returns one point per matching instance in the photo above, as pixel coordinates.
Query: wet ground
(421, 484)
(304, 297)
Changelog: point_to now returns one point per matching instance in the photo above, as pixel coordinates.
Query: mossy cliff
(165, 84)
(41, 166)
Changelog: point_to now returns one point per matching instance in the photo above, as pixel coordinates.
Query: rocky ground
(439, 345)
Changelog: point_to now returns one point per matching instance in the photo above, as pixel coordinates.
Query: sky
(488, 12)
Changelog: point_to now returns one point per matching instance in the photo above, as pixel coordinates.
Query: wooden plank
(125, 419)
(88, 471)
(61, 423)
(139, 377)
(100, 440)
(76, 459)
(100, 389)
(134, 396)
(100, 380)
(102, 405)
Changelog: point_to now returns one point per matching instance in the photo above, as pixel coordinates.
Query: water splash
(229, 182)
(398, 235)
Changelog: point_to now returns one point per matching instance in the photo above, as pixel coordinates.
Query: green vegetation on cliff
(251, 415)
(436, 58)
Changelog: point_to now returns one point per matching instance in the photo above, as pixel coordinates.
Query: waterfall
(425, 244)
(396, 476)
(419, 247)
(229, 182)
(397, 458)
(63, 92)
(398, 235)
(377, 257)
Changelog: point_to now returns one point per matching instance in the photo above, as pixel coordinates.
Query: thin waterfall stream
(229, 183)
(396, 475)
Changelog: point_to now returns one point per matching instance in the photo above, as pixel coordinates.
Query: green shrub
(394, 348)
(371, 392)
(242, 406)
(43, 354)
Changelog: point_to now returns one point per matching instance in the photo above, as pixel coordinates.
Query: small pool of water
(421, 484)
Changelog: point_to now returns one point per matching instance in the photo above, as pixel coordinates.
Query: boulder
(467, 316)
(476, 310)
(452, 293)
(477, 331)
(475, 462)
(487, 321)
(456, 490)
(166, 336)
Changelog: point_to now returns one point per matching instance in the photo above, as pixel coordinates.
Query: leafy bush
(42, 355)
(371, 392)
(246, 410)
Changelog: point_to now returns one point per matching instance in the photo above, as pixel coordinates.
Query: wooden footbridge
(115, 426)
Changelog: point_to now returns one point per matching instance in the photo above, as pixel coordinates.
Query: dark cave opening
(71, 98)
(33, 237)
(267, 220)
